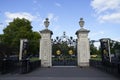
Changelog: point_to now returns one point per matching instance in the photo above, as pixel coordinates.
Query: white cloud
(52, 17)
(97, 33)
(1, 25)
(34, 1)
(36, 19)
(103, 5)
(107, 10)
(113, 17)
(58, 4)
(97, 44)
(56, 28)
(10, 16)
(116, 39)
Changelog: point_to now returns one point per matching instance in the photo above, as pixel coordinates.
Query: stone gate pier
(45, 54)
(83, 48)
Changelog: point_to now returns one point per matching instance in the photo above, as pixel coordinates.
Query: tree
(34, 43)
(116, 48)
(1, 37)
(117, 45)
(16, 30)
(93, 49)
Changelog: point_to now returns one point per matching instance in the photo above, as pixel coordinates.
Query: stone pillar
(45, 54)
(21, 49)
(22, 46)
(83, 48)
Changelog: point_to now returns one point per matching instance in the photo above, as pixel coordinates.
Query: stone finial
(81, 22)
(46, 23)
(64, 33)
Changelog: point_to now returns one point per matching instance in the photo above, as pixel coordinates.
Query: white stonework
(83, 49)
(45, 54)
(21, 48)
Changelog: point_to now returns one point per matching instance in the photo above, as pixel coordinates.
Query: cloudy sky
(102, 17)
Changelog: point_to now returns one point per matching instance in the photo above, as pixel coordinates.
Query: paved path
(61, 73)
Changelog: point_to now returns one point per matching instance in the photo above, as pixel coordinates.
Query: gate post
(83, 48)
(45, 54)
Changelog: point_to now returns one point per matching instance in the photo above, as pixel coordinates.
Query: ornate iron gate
(64, 51)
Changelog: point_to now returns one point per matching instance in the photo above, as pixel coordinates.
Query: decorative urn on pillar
(46, 23)
(45, 54)
(83, 49)
(81, 22)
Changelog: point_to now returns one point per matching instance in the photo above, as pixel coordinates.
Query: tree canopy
(93, 49)
(16, 30)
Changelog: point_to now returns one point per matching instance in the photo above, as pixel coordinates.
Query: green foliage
(114, 46)
(117, 45)
(16, 30)
(1, 38)
(4, 50)
(19, 29)
(93, 50)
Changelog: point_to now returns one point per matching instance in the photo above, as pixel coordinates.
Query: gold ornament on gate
(70, 52)
(58, 52)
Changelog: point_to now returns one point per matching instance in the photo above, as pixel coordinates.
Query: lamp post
(46, 23)
(81, 22)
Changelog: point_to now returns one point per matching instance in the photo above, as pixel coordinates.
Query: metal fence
(110, 67)
(28, 66)
(9, 66)
(14, 66)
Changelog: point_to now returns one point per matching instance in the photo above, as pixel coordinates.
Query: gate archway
(64, 51)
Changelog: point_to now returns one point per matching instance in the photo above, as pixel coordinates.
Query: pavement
(61, 73)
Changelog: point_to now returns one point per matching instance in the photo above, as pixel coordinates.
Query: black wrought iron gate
(64, 51)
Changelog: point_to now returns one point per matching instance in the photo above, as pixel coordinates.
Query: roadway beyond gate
(62, 73)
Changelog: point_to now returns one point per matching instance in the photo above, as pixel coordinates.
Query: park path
(62, 73)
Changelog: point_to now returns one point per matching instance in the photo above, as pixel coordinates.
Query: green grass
(34, 59)
(64, 59)
(97, 58)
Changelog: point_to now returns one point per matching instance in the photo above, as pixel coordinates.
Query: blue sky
(102, 17)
